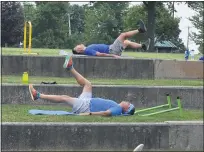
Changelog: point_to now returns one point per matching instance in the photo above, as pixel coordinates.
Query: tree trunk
(151, 24)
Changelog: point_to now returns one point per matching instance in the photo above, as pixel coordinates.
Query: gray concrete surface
(101, 67)
(186, 135)
(88, 66)
(140, 96)
(101, 136)
(173, 69)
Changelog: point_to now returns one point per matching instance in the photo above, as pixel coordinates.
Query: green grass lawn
(19, 113)
(60, 80)
(55, 52)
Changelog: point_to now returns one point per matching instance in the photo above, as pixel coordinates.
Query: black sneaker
(142, 28)
(145, 45)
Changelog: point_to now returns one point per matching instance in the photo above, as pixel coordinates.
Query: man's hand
(101, 113)
(107, 55)
(116, 56)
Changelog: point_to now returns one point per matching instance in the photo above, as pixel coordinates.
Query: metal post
(168, 100)
(69, 24)
(159, 112)
(188, 38)
(152, 108)
(24, 41)
(179, 106)
(30, 37)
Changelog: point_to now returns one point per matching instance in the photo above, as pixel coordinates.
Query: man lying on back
(115, 49)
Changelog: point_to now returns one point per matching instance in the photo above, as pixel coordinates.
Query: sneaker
(142, 28)
(68, 62)
(33, 93)
(139, 147)
(145, 46)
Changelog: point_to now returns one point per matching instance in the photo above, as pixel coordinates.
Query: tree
(151, 22)
(50, 25)
(103, 21)
(197, 21)
(77, 18)
(166, 27)
(28, 11)
(12, 22)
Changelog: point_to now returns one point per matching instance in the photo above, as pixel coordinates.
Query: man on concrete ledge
(115, 49)
(85, 104)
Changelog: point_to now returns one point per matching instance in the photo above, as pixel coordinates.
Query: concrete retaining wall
(172, 69)
(100, 67)
(101, 136)
(140, 96)
(88, 66)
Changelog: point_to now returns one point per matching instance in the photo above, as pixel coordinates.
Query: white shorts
(116, 48)
(82, 103)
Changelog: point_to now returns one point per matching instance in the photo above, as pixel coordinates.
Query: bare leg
(63, 98)
(132, 44)
(123, 36)
(82, 81)
(58, 98)
(142, 29)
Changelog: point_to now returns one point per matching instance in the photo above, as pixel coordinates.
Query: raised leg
(68, 64)
(87, 87)
(142, 29)
(54, 98)
(131, 44)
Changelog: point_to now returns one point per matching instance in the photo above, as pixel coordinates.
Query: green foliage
(77, 18)
(12, 21)
(167, 27)
(29, 11)
(130, 20)
(197, 21)
(103, 21)
(50, 25)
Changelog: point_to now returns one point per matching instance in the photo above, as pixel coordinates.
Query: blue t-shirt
(93, 48)
(201, 58)
(99, 104)
(187, 53)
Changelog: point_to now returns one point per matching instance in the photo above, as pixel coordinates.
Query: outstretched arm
(107, 55)
(101, 113)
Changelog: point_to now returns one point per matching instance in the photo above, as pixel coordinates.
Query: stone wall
(101, 136)
(140, 96)
(101, 67)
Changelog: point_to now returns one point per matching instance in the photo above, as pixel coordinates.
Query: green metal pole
(163, 111)
(152, 108)
(168, 100)
(179, 106)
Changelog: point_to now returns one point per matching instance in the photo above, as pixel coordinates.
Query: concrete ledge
(92, 67)
(140, 96)
(173, 69)
(101, 67)
(101, 136)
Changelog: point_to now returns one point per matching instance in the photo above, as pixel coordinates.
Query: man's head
(127, 107)
(79, 49)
